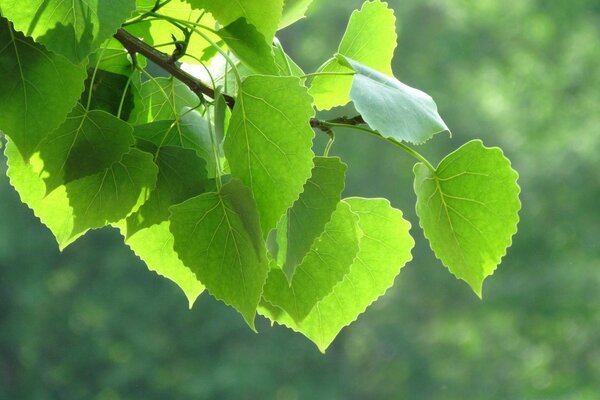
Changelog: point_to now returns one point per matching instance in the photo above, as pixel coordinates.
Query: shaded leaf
(306, 219)
(249, 46)
(217, 236)
(31, 106)
(85, 144)
(72, 28)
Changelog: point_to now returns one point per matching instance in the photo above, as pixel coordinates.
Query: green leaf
(293, 10)
(52, 209)
(108, 197)
(285, 65)
(217, 236)
(397, 111)
(85, 144)
(181, 176)
(162, 31)
(249, 46)
(72, 28)
(370, 39)
(190, 131)
(162, 99)
(154, 246)
(326, 264)
(264, 14)
(306, 219)
(468, 209)
(87, 203)
(385, 248)
(268, 143)
(30, 102)
(111, 92)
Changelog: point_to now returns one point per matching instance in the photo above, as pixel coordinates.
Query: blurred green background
(93, 323)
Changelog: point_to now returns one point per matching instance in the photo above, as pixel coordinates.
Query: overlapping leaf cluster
(224, 193)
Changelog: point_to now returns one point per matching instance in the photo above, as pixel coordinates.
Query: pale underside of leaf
(370, 39)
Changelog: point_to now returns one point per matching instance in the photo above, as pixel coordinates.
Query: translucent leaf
(30, 102)
(85, 144)
(285, 65)
(370, 39)
(87, 203)
(468, 209)
(395, 110)
(72, 28)
(323, 267)
(293, 10)
(162, 99)
(154, 246)
(162, 31)
(217, 236)
(306, 219)
(52, 209)
(385, 248)
(249, 46)
(268, 143)
(264, 14)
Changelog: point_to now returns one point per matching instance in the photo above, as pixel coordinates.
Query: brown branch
(168, 63)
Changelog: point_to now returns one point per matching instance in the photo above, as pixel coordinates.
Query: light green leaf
(285, 65)
(52, 209)
(268, 143)
(87, 203)
(326, 264)
(293, 10)
(30, 102)
(306, 219)
(162, 99)
(370, 39)
(397, 111)
(264, 14)
(72, 28)
(181, 176)
(85, 144)
(468, 209)
(385, 248)
(154, 246)
(217, 236)
(162, 31)
(249, 46)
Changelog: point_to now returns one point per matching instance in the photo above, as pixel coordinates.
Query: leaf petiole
(404, 147)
